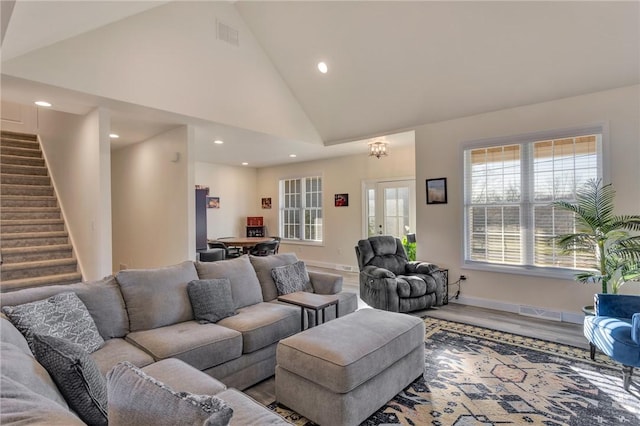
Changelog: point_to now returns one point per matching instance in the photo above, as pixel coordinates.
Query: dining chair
(265, 249)
(230, 252)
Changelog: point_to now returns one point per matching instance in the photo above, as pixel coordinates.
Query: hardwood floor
(559, 332)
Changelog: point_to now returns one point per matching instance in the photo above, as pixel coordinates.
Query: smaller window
(301, 209)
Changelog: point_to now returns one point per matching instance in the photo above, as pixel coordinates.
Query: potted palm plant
(611, 238)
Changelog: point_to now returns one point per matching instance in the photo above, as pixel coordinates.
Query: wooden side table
(307, 300)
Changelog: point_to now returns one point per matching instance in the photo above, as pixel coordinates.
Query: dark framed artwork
(266, 203)
(437, 191)
(341, 200)
(213, 202)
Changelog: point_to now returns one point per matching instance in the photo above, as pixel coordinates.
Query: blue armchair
(615, 330)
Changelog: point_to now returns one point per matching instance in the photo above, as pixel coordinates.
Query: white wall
(151, 195)
(77, 152)
(169, 58)
(438, 154)
(236, 187)
(342, 225)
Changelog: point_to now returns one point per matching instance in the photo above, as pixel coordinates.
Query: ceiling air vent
(228, 34)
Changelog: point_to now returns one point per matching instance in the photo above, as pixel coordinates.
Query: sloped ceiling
(392, 65)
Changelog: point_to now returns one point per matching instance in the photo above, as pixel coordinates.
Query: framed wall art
(437, 191)
(341, 200)
(213, 202)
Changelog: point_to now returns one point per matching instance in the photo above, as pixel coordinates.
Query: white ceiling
(392, 65)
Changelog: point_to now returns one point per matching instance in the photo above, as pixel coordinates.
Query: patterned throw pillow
(76, 375)
(136, 398)
(291, 278)
(63, 315)
(211, 300)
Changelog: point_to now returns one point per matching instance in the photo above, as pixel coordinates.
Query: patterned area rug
(477, 376)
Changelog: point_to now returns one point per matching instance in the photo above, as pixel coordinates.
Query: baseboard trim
(479, 302)
(334, 266)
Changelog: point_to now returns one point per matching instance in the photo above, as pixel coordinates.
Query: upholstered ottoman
(341, 372)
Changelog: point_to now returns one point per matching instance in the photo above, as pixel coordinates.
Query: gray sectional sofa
(145, 317)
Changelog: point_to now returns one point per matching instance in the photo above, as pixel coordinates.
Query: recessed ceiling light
(292, 155)
(245, 163)
(42, 103)
(114, 136)
(322, 67)
(218, 142)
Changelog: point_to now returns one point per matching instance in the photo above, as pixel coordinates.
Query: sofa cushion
(137, 398)
(157, 297)
(22, 406)
(245, 286)
(76, 375)
(247, 411)
(63, 315)
(118, 350)
(291, 278)
(264, 324)
(23, 368)
(200, 345)
(263, 266)
(182, 377)
(101, 297)
(211, 300)
(10, 334)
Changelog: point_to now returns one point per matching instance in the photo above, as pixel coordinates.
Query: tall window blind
(301, 209)
(508, 188)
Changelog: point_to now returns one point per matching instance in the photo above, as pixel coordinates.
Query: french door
(389, 207)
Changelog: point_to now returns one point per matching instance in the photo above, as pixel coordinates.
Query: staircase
(34, 243)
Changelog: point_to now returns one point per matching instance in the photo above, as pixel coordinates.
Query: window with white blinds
(509, 185)
(301, 209)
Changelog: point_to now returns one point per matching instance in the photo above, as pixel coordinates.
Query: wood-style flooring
(559, 332)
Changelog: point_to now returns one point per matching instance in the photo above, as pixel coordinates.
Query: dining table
(245, 242)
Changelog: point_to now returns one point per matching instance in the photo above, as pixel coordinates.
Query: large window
(301, 209)
(508, 190)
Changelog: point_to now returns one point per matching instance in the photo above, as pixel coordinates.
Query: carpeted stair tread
(28, 201)
(36, 190)
(27, 235)
(21, 160)
(35, 253)
(17, 179)
(21, 152)
(20, 143)
(14, 250)
(37, 264)
(69, 278)
(29, 213)
(18, 169)
(18, 135)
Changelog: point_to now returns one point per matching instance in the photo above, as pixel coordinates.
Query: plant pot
(588, 310)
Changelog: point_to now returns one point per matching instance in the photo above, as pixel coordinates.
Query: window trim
(300, 241)
(603, 169)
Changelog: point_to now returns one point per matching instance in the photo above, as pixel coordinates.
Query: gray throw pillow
(136, 398)
(211, 300)
(63, 315)
(291, 278)
(77, 376)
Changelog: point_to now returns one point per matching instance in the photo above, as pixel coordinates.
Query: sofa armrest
(418, 267)
(375, 272)
(635, 328)
(616, 305)
(325, 283)
(379, 288)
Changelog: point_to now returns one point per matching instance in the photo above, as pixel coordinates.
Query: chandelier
(378, 149)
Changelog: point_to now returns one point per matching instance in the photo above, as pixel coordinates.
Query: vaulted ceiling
(392, 65)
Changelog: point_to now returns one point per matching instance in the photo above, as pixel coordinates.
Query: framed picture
(341, 200)
(437, 191)
(213, 202)
(266, 203)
